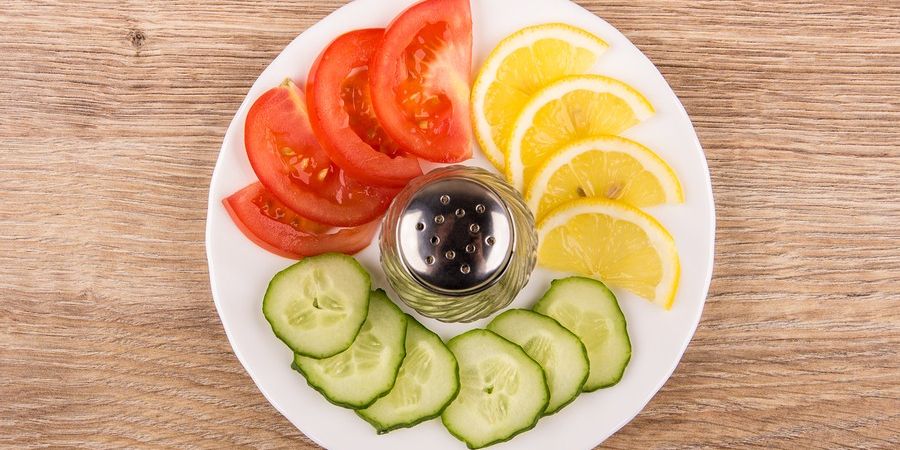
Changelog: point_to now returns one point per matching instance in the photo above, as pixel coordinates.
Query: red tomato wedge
(343, 118)
(271, 225)
(292, 166)
(420, 80)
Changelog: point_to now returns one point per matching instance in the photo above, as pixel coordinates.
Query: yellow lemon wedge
(604, 166)
(518, 67)
(569, 109)
(613, 242)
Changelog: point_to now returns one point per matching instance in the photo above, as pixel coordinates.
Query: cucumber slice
(587, 308)
(427, 382)
(502, 392)
(318, 305)
(367, 370)
(559, 352)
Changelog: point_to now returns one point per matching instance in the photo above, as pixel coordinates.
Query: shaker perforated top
(456, 236)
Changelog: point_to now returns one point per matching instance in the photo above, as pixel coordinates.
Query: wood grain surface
(111, 117)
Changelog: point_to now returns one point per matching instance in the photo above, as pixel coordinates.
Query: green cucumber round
(427, 382)
(560, 353)
(502, 393)
(590, 310)
(317, 306)
(358, 376)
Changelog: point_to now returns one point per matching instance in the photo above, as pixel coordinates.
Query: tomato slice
(292, 166)
(420, 80)
(343, 118)
(274, 227)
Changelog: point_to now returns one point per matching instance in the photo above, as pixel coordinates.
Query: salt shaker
(458, 244)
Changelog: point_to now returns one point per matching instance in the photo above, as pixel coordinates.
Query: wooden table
(112, 113)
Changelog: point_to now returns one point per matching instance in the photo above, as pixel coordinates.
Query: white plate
(239, 271)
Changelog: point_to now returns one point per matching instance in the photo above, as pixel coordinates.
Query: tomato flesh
(343, 118)
(420, 80)
(273, 226)
(430, 111)
(292, 165)
(357, 98)
(270, 207)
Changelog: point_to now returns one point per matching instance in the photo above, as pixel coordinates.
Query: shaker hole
(474, 228)
(470, 248)
(465, 269)
(445, 199)
(439, 219)
(479, 208)
(451, 255)
(490, 240)
(460, 212)
(435, 240)
(429, 260)
(420, 226)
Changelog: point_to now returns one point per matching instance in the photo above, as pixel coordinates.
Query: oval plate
(239, 271)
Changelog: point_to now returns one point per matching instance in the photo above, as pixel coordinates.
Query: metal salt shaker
(458, 244)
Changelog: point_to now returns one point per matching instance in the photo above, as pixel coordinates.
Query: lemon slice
(605, 166)
(518, 67)
(616, 243)
(572, 108)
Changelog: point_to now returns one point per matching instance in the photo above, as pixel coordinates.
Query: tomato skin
(291, 164)
(427, 54)
(342, 66)
(252, 210)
